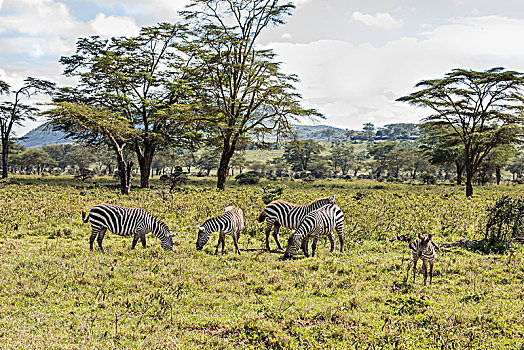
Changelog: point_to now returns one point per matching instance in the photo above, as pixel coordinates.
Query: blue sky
(354, 57)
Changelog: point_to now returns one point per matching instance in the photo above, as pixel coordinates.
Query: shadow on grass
(482, 246)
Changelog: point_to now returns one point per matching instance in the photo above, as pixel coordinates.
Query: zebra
(323, 220)
(125, 222)
(231, 223)
(279, 213)
(422, 248)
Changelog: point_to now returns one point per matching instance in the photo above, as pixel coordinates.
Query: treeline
(403, 160)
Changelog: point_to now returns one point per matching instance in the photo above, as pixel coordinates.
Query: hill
(38, 137)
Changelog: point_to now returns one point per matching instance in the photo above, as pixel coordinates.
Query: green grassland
(57, 294)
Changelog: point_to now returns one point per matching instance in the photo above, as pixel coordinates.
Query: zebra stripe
(279, 213)
(424, 249)
(126, 222)
(323, 220)
(231, 223)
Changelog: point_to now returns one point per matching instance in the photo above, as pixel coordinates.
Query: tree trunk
(460, 169)
(227, 154)
(124, 172)
(469, 182)
(497, 175)
(5, 156)
(145, 158)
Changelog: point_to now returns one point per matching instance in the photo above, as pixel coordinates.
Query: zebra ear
(332, 198)
(429, 236)
(419, 236)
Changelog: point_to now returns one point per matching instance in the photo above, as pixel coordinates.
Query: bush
(428, 179)
(505, 219)
(272, 192)
(174, 180)
(84, 174)
(249, 178)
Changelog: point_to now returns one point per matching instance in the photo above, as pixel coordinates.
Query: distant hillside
(39, 137)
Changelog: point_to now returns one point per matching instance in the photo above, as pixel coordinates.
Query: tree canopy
(484, 110)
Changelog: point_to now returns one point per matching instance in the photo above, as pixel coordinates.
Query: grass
(57, 294)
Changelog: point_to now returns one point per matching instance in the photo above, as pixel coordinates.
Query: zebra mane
(327, 200)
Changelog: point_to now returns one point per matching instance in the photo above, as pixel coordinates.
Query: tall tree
(482, 108)
(16, 112)
(96, 126)
(141, 78)
(243, 91)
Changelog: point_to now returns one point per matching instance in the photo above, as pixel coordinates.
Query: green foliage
(272, 192)
(174, 180)
(428, 179)
(248, 178)
(84, 174)
(57, 294)
(505, 219)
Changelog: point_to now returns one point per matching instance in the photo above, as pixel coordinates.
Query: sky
(354, 58)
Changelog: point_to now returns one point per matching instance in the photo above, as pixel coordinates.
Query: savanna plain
(55, 293)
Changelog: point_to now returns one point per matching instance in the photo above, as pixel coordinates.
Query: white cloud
(352, 84)
(381, 20)
(110, 26)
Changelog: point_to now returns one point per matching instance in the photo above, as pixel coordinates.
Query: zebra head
(203, 237)
(424, 241)
(292, 246)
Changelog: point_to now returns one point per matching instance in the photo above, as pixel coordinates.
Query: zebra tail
(262, 216)
(85, 218)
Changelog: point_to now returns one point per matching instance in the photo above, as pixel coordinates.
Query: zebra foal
(231, 223)
(320, 221)
(279, 213)
(424, 249)
(125, 222)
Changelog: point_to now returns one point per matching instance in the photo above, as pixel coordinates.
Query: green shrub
(249, 178)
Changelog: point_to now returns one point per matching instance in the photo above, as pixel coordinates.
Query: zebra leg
(219, 241)
(269, 225)
(431, 271)
(414, 268)
(223, 242)
(143, 240)
(305, 246)
(425, 268)
(332, 241)
(235, 240)
(275, 234)
(341, 238)
(94, 233)
(314, 245)
(135, 240)
(100, 238)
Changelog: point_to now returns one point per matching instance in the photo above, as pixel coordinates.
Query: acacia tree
(140, 78)
(482, 108)
(15, 112)
(96, 126)
(242, 90)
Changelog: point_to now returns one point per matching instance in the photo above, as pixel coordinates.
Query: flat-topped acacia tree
(96, 126)
(484, 110)
(242, 89)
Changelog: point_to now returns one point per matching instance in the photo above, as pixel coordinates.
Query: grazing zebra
(423, 248)
(323, 220)
(231, 223)
(125, 222)
(279, 213)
